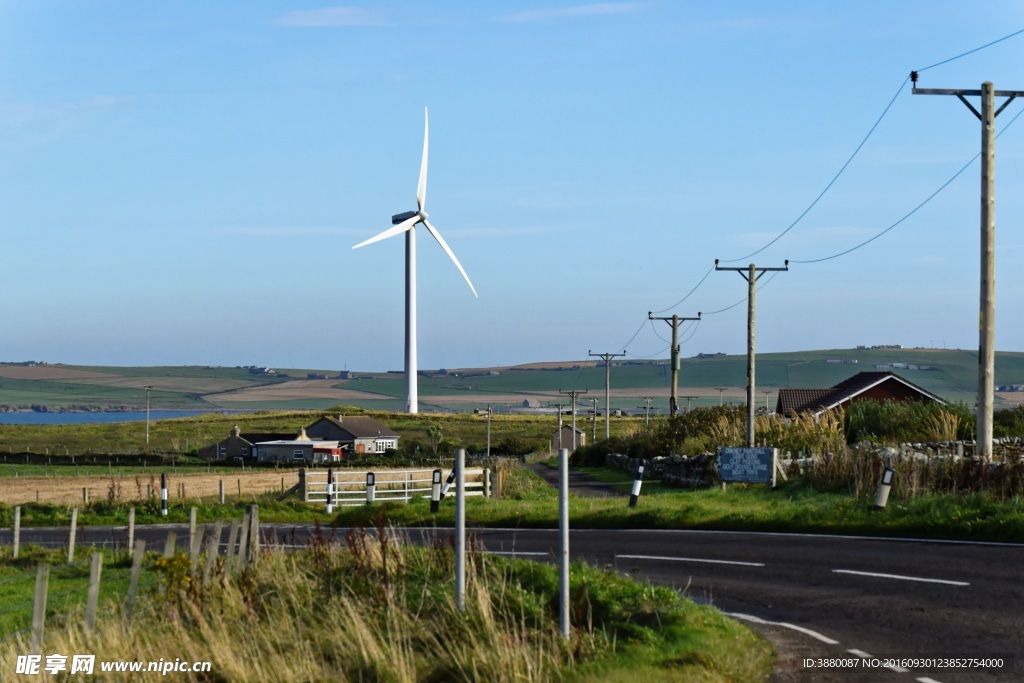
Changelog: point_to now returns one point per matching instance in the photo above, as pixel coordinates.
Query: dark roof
(361, 427)
(819, 400)
(257, 437)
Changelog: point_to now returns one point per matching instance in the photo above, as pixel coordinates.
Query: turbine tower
(406, 222)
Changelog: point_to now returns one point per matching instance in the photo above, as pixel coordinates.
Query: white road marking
(925, 679)
(901, 578)
(688, 559)
(806, 631)
(865, 655)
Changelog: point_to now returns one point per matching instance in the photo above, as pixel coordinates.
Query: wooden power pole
(751, 274)
(607, 389)
(673, 401)
(987, 303)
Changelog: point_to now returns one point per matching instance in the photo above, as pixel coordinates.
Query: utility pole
(607, 388)
(647, 410)
(558, 407)
(751, 274)
(148, 388)
(488, 430)
(688, 399)
(673, 401)
(987, 304)
(721, 392)
(572, 395)
(593, 420)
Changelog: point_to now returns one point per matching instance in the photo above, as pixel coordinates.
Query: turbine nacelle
(403, 217)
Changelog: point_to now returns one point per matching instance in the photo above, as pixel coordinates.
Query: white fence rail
(404, 485)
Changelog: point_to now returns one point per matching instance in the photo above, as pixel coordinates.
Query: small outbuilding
(563, 438)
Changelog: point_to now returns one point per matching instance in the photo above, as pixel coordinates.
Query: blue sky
(182, 183)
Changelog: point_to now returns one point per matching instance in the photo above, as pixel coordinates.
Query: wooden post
(191, 526)
(220, 495)
(39, 609)
(487, 482)
(254, 531)
(71, 535)
(302, 484)
(17, 530)
(243, 539)
(212, 550)
(239, 488)
(171, 543)
(85, 496)
(94, 591)
(195, 545)
(131, 528)
(232, 537)
(133, 582)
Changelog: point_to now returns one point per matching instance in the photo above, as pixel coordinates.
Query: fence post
(131, 528)
(133, 582)
(302, 484)
(17, 530)
(39, 609)
(487, 482)
(195, 545)
(171, 543)
(229, 553)
(220, 492)
(191, 527)
(94, 591)
(407, 496)
(85, 496)
(71, 535)
(254, 531)
(212, 551)
(371, 487)
(243, 538)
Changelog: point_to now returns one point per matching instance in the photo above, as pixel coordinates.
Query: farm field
(708, 380)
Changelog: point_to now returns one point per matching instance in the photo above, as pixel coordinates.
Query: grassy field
(953, 375)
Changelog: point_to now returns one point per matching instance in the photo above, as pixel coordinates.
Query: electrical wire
(970, 52)
(758, 289)
(915, 209)
(866, 137)
(688, 293)
(831, 182)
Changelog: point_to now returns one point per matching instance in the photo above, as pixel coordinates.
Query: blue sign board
(751, 465)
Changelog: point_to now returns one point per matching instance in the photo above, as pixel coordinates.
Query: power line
(912, 211)
(970, 52)
(831, 182)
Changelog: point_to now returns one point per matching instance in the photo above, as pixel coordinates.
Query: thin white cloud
(332, 17)
(572, 11)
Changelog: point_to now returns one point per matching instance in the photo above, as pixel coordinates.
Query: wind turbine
(406, 222)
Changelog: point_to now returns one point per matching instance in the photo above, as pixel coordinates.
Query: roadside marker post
(330, 490)
(163, 494)
(448, 484)
(636, 485)
(371, 487)
(884, 485)
(435, 492)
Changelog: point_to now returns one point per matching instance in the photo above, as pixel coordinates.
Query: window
(298, 454)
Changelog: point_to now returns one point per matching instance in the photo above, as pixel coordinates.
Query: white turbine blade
(421, 187)
(390, 232)
(440, 240)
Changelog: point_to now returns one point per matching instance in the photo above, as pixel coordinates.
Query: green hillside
(951, 374)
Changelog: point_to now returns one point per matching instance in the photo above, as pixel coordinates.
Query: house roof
(361, 427)
(819, 400)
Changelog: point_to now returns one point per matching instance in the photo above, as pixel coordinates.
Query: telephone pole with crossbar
(673, 401)
(987, 303)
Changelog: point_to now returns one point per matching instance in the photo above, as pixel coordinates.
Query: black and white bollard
(435, 492)
(635, 494)
(882, 497)
(330, 490)
(163, 494)
(370, 487)
(448, 484)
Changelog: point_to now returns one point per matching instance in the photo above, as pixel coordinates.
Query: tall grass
(378, 609)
